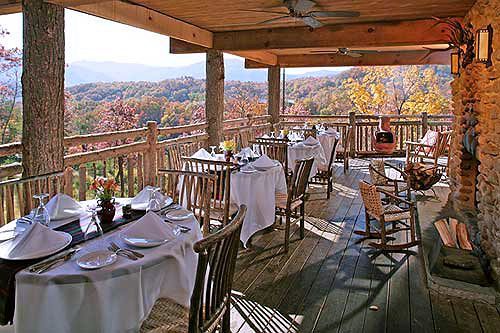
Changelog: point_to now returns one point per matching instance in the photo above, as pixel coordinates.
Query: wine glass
(41, 214)
(154, 204)
(94, 228)
(213, 150)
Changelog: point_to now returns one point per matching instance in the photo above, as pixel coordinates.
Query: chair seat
(166, 316)
(281, 199)
(390, 188)
(218, 213)
(395, 213)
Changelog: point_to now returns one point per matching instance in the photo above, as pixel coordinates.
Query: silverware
(56, 263)
(122, 252)
(135, 253)
(48, 261)
(183, 228)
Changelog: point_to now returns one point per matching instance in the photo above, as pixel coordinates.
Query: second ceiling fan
(303, 10)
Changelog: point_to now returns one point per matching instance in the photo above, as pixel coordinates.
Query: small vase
(107, 210)
(228, 154)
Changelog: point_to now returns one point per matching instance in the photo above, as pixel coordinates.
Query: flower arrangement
(105, 188)
(228, 145)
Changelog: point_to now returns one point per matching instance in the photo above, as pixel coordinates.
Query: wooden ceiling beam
(72, 3)
(144, 18)
(380, 59)
(181, 47)
(10, 7)
(355, 35)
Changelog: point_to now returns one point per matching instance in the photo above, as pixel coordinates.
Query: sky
(89, 38)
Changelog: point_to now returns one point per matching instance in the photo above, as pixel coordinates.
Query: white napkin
(141, 200)
(331, 131)
(150, 226)
(264, 162)
(202, 154)
(310, 141)
(62, 206)
(35, 238)
(248, 152)
(265, 136)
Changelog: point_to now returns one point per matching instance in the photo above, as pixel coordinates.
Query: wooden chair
(380, 178)
(193, 191)
(428, 153)
(288, 203)
(276, 149)
(210, 301)
(220, 204)
(325, 177)
(310, 132)
(246, 136)
(344, 149)
(174, 154)
(383, 214)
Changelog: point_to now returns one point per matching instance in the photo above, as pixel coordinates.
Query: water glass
(213, 150)
(94, 228)
(41, 214)
(154, 204)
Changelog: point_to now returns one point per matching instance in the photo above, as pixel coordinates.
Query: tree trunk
(43, 87)
(273, 93)
(214, 103)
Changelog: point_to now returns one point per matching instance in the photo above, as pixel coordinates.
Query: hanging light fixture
(484, 39)
(455, 62)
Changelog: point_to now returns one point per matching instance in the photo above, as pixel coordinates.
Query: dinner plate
(143, 242)
(97, 259)
(144, 205)
(178, 214)
(5, 250)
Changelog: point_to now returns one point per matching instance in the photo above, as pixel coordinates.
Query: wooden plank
(442, 312)
(465, 315)
(356, 35)
(488, 316)
(10, 7)
(376, 59)
(144, 18)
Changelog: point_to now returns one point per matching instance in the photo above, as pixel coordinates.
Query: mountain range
(90, 71)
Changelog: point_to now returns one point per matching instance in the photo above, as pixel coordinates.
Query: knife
(39, 265)
(56, 263)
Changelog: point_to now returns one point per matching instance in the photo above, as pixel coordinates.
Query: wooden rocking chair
(429, 149)
(383, 214)
(380, 179)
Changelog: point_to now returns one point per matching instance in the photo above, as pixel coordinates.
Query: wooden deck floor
(328, 280)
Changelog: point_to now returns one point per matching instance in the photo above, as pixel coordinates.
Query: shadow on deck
(331, 282)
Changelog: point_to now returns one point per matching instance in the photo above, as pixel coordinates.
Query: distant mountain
(89, 72)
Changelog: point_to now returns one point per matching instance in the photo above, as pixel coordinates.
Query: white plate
(178, 214)
(5, 250)
(143, 242)
(144, 205)
(97, 259)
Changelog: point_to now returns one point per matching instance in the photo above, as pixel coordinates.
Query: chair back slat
(300, 179)
(210, 301)
(246, 136)
(371, 199)
(310, 132)
(333, 154)
(276, 150)
(192, 191)
(378, 175)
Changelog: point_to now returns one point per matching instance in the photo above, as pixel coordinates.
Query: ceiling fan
(302, 10)
(347, 52)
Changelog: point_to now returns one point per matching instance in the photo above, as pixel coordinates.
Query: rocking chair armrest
(395, 197)
(401, 171)
(413, 143)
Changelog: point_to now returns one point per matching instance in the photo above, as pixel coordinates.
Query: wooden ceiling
(400, 30)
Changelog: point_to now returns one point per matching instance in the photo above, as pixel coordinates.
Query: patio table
(115, 298)
(299, 151)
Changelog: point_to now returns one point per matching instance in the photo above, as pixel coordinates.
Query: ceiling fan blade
(301, 6)
(318, 13)
(273, 20)
(354, 54)
(365, 51)
(326, 51)
(263, 11)
(312, 22)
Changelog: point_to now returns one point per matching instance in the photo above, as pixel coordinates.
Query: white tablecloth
(327, 142)
(116, 298)
(300, 151)
(256, 190)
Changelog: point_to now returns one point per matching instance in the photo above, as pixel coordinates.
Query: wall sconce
(455, 63)
(484, 41)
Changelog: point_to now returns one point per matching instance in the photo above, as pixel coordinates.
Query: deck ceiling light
(484, 38)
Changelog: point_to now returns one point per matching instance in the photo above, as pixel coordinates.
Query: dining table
(300, 150)
(115, 298)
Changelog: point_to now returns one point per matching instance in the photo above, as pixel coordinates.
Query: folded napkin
(310, 141)
(331, 131)
(62, 206)
(150, 226)
(35, 238)
(202, 154)
(247, 152)
(264, 162)
(265, 136)
(141, 200)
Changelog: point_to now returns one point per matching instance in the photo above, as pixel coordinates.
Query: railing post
(352, 124)
(68, 181)
(150, 170)
(425, 123)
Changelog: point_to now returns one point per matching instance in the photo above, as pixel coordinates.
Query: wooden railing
(405, 127)
(132, 157)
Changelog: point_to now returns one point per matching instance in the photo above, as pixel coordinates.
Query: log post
(68, 181)
(82, 188)
(43, 87)
(150, 168)
(352, 124)
(273, 94)
(214, 100)
(425, 123)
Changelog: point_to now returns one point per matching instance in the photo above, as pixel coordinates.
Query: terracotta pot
(107, 210)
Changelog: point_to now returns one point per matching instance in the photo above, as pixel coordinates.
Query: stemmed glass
(94, 228)
(154, 204)
(213, 150)
(41, 213)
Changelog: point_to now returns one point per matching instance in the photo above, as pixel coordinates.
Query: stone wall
(478, 89)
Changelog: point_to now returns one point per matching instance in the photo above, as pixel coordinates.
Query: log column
(43, 87)
(273, 93)
(214, 100)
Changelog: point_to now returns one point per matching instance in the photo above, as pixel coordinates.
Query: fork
(135, 253)
(122, 252)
